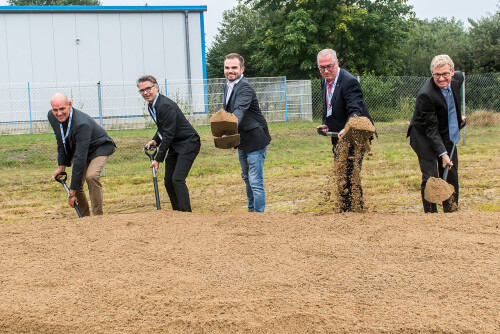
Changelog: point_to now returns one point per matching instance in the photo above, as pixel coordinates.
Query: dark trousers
(347, 197)
(434, 168)
(177, 167)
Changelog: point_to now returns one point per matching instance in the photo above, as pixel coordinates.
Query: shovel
(152, 156)
(329, 134)
(61, 178)
(438, 190)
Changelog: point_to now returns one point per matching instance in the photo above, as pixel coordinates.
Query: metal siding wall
(153, 56)
(87, 30)
(110, 47)
(175, 50)
(131, 40)
(18, 48)
(66, 56)
(4, 59)
(42, 48)
(195, 46)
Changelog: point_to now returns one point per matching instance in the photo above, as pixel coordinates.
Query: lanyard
(152, 112)
(64, 136)
(329, 101)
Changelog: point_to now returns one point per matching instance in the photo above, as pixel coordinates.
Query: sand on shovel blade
(437, 190)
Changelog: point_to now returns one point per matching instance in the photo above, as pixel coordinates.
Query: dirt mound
(172, 272)
(224, 126)
(438, 190)
(358, 130)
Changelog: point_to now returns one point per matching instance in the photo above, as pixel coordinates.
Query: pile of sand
(355, 139)
(438, 190)
(224, 126)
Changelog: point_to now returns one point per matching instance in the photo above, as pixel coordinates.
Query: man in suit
(435, 127)
(342, 99)
(241, 100)
(86, 145)
(175, 135)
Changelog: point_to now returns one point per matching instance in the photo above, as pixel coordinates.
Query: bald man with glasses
(435, 127)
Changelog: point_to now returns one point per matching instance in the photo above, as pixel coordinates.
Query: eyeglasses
(444, 75)
(328, 67)
(146, 90)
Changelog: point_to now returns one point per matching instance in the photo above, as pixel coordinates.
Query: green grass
(296, 172)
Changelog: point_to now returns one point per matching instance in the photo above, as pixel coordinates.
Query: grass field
(296, 171)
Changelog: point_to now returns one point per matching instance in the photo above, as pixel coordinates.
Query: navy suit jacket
(347, 101)
(252, 126)
(428, 131)
(175, 130)
(86, 141)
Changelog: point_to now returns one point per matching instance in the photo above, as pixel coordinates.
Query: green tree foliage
(430, 38)
(237, 27)
(485, 44)
(366, 35)
(54, 2)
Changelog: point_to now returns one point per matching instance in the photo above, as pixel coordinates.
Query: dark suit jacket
(86, 141)
(347, 101)
(175, 129)
(252, 126)
(428, 131)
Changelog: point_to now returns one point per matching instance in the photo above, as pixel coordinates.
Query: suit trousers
(92, 173)
(177, 167)
(434, 168)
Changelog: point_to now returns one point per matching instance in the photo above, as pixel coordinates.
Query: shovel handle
(61, 177)
(447, 168)
(326, 133)
(153, 149)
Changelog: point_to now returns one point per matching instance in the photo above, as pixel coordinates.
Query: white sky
(424, 9)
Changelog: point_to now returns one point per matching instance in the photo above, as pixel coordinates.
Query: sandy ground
(252, 273)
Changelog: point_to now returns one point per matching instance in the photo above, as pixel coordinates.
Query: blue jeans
(252, 172)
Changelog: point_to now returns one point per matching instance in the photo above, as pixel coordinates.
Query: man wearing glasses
(342, 99)
(175, 135)
(435, 127)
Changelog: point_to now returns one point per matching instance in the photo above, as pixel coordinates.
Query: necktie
(452, 117)
(229, 91)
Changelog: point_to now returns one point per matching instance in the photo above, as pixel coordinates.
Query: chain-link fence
(119, 106)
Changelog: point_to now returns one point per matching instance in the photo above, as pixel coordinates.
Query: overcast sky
(424, 9)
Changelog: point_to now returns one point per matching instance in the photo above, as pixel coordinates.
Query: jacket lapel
(337, 89)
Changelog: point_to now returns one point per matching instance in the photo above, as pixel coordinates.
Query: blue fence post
(29, 106)
(463, 103)
(286, 104)
(99, 102)
(166, 88)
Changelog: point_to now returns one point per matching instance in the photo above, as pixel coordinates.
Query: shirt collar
(230, 84)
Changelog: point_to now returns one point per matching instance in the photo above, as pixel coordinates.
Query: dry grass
(296, 173)
(483, 118)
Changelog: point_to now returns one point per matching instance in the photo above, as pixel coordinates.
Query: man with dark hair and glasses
(175, 135)
(342, 98)
(436, 125)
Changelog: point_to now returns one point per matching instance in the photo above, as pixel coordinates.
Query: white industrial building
(53, 44)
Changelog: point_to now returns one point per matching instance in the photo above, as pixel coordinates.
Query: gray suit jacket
(252, 126)
(86, 141)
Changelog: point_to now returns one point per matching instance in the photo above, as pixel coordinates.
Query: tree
(485, 44)
(367, 34)
(237, 27)
(54, 3)
(430, 38)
